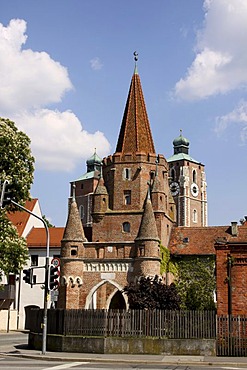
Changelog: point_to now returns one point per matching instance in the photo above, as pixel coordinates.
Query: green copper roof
(94, 159)
(181, 157)
(181, 140)
(88, 175)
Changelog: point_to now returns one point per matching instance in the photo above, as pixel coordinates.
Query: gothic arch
(102, 282)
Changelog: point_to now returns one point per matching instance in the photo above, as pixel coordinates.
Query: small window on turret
(74, 251)
(127, 173)
(127, 197)
(126, 227)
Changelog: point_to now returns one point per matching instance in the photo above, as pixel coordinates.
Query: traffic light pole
(46, 295)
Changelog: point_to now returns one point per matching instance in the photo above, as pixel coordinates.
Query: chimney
(234, 228)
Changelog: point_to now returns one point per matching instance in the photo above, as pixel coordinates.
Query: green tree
(47, 221)
(13, 249)
(16, 166)
(151, 293)
(16, 160)
(195, 282)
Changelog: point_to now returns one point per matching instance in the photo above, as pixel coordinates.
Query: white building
(18, 294)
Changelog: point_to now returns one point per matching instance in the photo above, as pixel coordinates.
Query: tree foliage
(17, 162)
(195, 282)
(13, 249)
(47, 221)
(16, 166)
(166, 264)
(151, 293)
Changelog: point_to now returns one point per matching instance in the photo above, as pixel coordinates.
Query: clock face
(194, 189)
(174, 187)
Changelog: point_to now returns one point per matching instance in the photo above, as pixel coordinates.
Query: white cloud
(237, 116)
(220, 64)
(27, 79)
(96, 64)
(58, 140)
(31, 80)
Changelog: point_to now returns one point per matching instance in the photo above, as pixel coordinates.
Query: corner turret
(147, 251)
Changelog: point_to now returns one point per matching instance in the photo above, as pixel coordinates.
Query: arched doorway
(117, 302)
(105, 295)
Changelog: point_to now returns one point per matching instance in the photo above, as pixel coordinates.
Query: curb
(133, 361)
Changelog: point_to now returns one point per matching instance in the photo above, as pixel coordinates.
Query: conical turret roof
(100, 188)
(148, 228)
(135, 133)
(74, 229)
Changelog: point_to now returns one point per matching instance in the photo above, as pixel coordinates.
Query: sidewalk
(21, 350)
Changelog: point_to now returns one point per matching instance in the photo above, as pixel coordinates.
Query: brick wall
(231, 278)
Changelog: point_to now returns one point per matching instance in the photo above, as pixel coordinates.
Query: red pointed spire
(135, 133)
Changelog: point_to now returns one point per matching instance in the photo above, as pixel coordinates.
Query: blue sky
(65, 72)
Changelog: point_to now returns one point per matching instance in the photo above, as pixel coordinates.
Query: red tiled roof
(135, 133)
(20, 218)
(201, 240)
(37, 237)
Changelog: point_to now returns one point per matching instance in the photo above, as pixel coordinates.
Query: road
(12, 341)
(15, 363)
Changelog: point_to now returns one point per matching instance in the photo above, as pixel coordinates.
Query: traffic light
(7, 193)
(28, 278)
(54, 275)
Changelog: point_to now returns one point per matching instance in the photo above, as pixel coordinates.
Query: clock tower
(187, 185)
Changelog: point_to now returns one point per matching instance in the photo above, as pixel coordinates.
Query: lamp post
(46, 294)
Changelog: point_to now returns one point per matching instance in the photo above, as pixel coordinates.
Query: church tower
(187, 185)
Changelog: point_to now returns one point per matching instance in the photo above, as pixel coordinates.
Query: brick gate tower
(131, 214)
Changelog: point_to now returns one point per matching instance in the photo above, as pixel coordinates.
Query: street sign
(55, 262)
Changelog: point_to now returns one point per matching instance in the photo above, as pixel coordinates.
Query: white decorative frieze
(107, 267)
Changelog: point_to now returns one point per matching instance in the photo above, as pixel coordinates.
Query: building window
(81, 186)
(34, 260)
(127, 197)
(81, 210)
(127, 173)
(126, 227)
(194, 176)
(74, 251)
(173, 178)
(194, 215)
